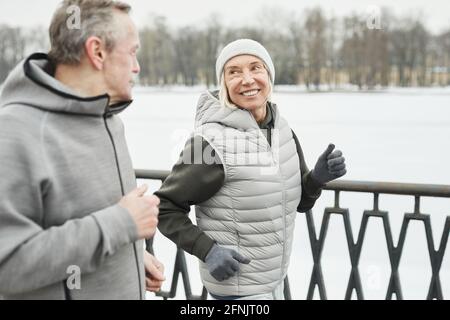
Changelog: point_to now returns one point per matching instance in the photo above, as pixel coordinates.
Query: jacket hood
(210, 110)
(32, 83)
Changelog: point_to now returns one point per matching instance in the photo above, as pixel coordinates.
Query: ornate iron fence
(394, 251)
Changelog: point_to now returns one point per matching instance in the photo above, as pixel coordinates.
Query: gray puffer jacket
(254, 212)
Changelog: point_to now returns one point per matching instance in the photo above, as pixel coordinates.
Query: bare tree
(156, 54)
(12, 49)
(352, 51)
(409, 42)
(315, 27)
(296, 38)
(443, 47)
(187, 55)
(210, 41)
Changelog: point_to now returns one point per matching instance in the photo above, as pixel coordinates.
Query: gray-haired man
(69, 201)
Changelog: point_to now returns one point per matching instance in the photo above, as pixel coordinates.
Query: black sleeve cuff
(311, 186)
(202, 246)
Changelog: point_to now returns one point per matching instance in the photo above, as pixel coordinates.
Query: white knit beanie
(240, 47)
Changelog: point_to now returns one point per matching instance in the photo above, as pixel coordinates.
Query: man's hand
(143, 209)
(154, 273)
(329, 166)
(223, 263)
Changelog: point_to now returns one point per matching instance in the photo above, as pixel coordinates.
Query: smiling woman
(247, 197)
(246, 83)
(246, 80)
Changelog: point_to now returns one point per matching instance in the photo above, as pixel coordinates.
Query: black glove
(223, 263)
(329, 166)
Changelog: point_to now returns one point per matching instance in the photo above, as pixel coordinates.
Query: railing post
(375, 202)
(417, 204)
(336, 199)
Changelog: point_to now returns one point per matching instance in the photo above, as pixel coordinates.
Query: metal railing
(317, 244)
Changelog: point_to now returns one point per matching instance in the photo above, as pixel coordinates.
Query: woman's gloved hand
(223, 263)
(329, 166)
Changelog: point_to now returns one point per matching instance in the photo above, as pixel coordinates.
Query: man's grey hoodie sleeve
(31, 255)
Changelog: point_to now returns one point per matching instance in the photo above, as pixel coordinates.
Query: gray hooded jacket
(64, 167)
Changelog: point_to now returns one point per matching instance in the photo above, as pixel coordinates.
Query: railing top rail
(152, 174)
(426, 190)
(415, 189)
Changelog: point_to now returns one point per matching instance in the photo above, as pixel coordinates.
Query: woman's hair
(224, 97)
(96, 19)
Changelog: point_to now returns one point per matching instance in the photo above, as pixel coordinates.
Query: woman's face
(247, 81)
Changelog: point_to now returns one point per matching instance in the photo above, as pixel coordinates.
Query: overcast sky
(436, 13)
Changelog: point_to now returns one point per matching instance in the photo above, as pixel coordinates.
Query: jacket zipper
(123, 194)
(283, 197)
(284, 221)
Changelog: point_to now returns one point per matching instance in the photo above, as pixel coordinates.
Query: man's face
(121, 65)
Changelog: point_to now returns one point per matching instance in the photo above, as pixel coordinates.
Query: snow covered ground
(399, 135)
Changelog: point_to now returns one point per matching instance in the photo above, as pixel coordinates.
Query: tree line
(309, 48)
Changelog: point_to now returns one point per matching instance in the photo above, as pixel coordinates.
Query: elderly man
(72, 221)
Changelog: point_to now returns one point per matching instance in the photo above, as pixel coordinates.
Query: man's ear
(95, 52)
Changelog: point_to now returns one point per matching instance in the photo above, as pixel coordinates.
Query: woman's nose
(247, 78)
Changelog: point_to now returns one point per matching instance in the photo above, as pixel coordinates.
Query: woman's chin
(251, 105)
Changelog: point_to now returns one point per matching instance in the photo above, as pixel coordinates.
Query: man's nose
(136, 67)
